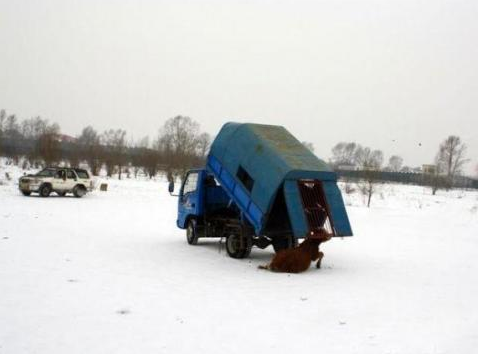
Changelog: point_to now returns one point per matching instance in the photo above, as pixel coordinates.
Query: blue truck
(260, 187)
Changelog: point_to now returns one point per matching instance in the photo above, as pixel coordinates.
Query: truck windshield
(47, 172)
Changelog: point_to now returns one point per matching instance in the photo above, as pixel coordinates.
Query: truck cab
(200, 196)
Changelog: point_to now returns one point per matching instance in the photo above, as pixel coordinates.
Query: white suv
(60, 180)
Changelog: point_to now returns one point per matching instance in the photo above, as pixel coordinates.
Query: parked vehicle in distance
(260, 187)
(61, 180)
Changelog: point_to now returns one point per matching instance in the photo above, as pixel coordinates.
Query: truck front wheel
(238, 246)
(191, 234)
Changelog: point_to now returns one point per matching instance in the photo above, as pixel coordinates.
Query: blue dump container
(260, 186)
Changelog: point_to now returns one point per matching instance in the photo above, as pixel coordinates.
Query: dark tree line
(179, 145)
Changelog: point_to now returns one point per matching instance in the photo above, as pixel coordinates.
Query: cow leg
(318, 264)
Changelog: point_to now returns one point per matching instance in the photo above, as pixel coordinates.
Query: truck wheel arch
(191, 217)
(187, 220)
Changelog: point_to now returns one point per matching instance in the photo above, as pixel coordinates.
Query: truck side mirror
(171, 187)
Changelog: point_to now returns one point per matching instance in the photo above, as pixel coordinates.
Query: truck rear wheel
(238, 246)
(191, 234)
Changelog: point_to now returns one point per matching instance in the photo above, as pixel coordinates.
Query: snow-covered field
(111, 273)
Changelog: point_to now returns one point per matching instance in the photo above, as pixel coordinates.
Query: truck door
(188, 200)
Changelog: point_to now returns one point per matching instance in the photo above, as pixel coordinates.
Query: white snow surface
(111, 273)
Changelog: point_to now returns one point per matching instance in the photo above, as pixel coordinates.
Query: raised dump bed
(261, 186)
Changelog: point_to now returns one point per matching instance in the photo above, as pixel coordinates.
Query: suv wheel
(79, 191)
(45, 190)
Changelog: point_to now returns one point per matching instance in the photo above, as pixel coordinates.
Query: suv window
(190, 183)
(47, 172)
(60, 174)
(82, 174)
(71, 174)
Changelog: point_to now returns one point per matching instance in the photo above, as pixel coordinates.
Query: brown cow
(298, 259)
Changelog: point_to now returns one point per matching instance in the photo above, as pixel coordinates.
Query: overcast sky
(386, 74)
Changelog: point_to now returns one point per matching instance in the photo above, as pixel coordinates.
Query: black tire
(285, 242)
(191, 234)
(61, 194)
(79, 191)
(45, 190)
(26, 193)
(238, 248)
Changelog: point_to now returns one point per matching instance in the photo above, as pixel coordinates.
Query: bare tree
(370, 162)
(34, 127)
(3, 117)
(11, 131)
(203, 145)
(436, 178)
(137, 155)
(395, 163)
(89, 144)
(115, 150)
(12, 128)
(178, 142)
(73, 157)
(344, 154)
(448, 163)
(451, 157)
(151, 162)
(45, 138)
(49, 144)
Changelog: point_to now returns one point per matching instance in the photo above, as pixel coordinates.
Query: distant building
(407, 169)
(429, 169)
(66, 138)
(346, 167)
